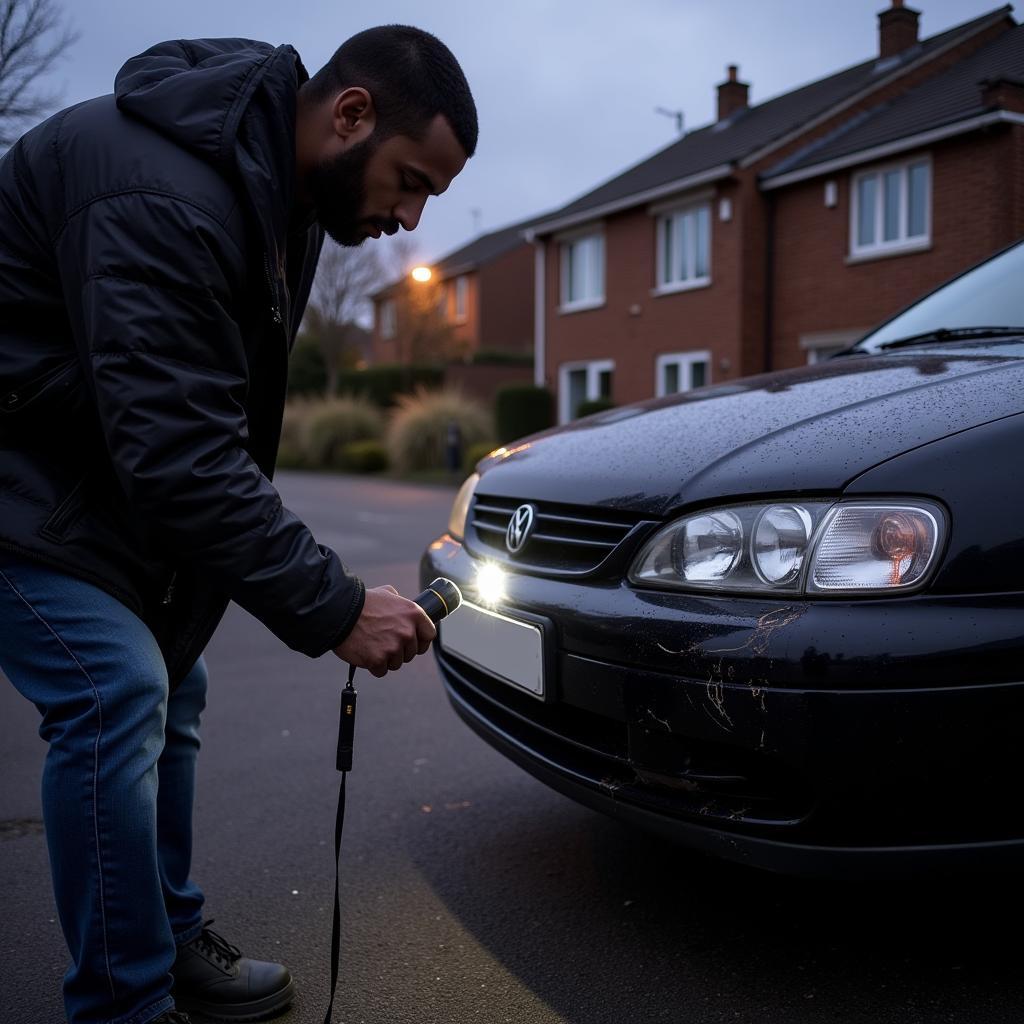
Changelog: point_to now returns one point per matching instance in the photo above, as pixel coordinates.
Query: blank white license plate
(503, 647)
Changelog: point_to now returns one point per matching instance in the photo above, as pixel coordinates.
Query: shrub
(592, 405)
(523, 409)
(364, 457)
(307, 372)
(501, 357)
(382, 384)
(418, 432)
(336, 422)
(292, 453)
(474, 453)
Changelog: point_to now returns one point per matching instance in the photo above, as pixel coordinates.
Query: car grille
(566, 538)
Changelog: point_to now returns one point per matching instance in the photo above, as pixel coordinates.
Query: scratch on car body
(661, 721)
(716, 694)
(767, 625)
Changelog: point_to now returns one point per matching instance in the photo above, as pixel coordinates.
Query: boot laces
(218, 947)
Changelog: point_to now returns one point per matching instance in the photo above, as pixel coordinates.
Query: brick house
(786, 229)
(483, 293)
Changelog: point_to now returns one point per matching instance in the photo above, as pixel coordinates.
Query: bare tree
(423, 330)
(340, 298)
(33, 38)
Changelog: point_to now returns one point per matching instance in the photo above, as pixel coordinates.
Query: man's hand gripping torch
(441, 598)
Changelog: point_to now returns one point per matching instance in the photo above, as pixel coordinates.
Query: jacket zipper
(275, 308)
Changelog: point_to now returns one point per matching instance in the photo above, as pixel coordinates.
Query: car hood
(810, 430)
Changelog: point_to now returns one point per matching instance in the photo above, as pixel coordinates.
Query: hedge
(383, 384)
(593, 405)
(522, 409)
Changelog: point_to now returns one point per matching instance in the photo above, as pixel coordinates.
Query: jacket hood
(805, 431)
(231, 102)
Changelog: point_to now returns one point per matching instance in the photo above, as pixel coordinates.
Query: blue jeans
(117, 786)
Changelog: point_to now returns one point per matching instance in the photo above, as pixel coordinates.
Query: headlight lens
(780, 543)
(711, 547)
(822, 547)
(460, 507)
(867, 547)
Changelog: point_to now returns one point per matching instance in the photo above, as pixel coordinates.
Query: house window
(461, 297)
(388, 327)
(681, 371)
(583, 382)
(684, 248)
(891, 209)
(582, 272)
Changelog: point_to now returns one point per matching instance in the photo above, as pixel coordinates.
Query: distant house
(482, 294)
(783, 231)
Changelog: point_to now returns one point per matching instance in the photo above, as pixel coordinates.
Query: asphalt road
(473, 893)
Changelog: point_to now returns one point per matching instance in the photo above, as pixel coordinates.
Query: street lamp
(422, 274)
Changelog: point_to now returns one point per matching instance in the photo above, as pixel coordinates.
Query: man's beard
(338, 190)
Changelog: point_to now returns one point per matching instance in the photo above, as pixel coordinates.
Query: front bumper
(814, 737)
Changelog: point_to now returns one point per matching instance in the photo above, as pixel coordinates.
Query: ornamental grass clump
(418, 434)
(335, 423)
(293, 451)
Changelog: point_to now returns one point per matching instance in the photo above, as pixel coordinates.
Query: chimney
(897, 29)
(1003, 93)
(733, 94)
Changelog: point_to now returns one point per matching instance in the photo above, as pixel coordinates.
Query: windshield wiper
(948, 334)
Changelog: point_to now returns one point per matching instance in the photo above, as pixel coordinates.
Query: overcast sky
(566, 89)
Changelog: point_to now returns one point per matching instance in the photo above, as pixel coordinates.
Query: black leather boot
(213, 978)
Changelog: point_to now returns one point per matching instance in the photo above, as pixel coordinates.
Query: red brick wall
(506, 301)
(465, 334)
(977, 209)
(484, 382)
(634, 326)
(383, 350)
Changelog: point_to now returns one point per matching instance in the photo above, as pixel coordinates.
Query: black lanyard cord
(346, 734)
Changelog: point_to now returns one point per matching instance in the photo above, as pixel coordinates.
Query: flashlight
(441, 598)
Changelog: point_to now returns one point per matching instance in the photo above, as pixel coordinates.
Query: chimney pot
(733, 94)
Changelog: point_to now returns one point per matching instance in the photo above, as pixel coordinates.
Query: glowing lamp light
(422, 274)
(490, 584)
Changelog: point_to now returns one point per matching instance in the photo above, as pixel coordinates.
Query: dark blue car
(779, 620)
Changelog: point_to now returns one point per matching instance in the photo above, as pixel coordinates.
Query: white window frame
(661, 286)
(591, 234)
(685, 361)
(594, 368)
(388, 319)
(903, 242)
(461, 299)
(823, 354)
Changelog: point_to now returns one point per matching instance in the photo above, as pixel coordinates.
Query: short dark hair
(412, 77)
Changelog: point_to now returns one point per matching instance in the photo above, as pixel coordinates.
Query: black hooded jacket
(152, 279)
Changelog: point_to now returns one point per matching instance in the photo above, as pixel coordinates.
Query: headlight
(874, 547)
(780, 542)
(814, 547)
(460, 507)
(711, 547)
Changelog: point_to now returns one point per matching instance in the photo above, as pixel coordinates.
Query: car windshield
(988, 299)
